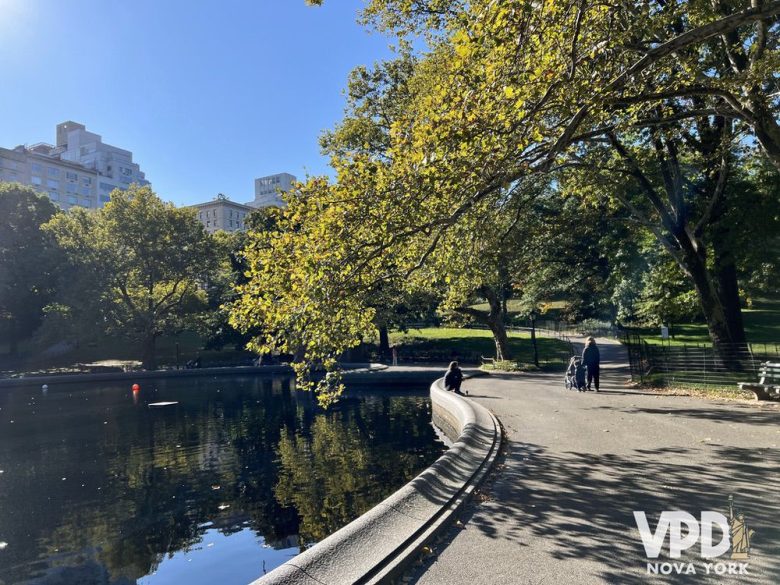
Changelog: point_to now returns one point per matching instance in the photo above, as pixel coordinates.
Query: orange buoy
(136, 388)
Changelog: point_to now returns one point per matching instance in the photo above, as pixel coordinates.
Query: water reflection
(237, 476)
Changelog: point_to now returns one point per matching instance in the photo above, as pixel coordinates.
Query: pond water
(238, 475)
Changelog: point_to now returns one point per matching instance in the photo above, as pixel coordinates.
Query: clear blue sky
(207, 94)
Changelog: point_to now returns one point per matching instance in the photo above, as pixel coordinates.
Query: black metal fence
(705, 365)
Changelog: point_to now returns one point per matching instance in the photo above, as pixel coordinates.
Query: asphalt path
(560, 507)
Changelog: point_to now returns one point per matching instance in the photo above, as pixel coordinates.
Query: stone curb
(379, 546)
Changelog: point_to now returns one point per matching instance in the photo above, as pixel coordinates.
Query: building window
(72, 200)
(86, 203)
(54, 172)
(36, 168)
(35, 180)
(71, 176)
(70, 187)
(208, 223)
(84, 190)
(54, 196)
(106, 187)
(52, 184)
(231, 223)
(86, 181)
(105, 198)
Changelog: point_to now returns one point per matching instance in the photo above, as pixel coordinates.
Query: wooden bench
(488, 361)
(768, 386)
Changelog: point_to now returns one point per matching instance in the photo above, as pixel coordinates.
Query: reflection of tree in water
(143, 484)
(350, 459)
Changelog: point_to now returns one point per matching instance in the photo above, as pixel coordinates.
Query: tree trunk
(713, 308)
(728, 290)
(767, 130)
(503, 352)
(150, 351)
(384, 340)
(495, 320)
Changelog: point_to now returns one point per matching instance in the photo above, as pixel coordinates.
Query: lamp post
(533, 315)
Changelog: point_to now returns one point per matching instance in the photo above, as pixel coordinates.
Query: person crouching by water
(453, 378)
(591, 360)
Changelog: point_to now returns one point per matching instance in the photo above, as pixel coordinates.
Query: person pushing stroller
(591, 360)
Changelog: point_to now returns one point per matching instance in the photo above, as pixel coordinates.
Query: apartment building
(268, 190)
(114, 166)
(79, 170)
(67, 184)
(222, 214)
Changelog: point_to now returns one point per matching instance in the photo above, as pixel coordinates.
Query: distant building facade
(80, 170)
(67, 184)
(268, 190)
(222, 214)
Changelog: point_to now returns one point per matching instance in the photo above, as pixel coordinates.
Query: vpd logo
(715, 534)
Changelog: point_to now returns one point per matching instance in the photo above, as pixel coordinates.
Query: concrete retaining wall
(379, 545)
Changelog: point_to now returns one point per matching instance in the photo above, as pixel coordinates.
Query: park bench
(768, 385)
(488, 361)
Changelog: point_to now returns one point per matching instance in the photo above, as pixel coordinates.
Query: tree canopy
(140, 263)
(29, 261)
(647, 107)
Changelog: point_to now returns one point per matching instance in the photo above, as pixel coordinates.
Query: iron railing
(704, 364)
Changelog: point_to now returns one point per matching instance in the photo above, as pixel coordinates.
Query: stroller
(575, 375)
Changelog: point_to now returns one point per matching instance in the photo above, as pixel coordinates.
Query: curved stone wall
(379, 545)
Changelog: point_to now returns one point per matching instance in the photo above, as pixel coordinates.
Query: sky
(208, 95)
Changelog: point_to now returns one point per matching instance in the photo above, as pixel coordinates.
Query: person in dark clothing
(591, 359)
(453, 378)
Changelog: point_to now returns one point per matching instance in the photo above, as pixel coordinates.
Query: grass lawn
(762, 325)
(514, 308)
(472, 343)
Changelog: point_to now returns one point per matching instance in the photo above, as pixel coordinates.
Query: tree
(521, 88)
(505, 92)
(141, 262)
(220, 286)
(29, 261)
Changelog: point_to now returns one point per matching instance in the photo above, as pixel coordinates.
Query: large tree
(29, 261)
(506, 92)
(140, 263)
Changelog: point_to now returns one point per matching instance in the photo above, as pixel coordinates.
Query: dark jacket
(453, 378)
(590, 356)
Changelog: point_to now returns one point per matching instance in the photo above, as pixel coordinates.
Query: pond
(229, 479)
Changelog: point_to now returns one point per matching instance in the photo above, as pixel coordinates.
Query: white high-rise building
(114, 166)
(268, 190)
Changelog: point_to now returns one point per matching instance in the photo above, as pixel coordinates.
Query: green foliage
(138, 265)
(627, 104)
(29, 261)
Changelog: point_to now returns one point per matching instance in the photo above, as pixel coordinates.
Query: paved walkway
(559, 510)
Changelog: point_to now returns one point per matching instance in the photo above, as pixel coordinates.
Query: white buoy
(45, 387)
